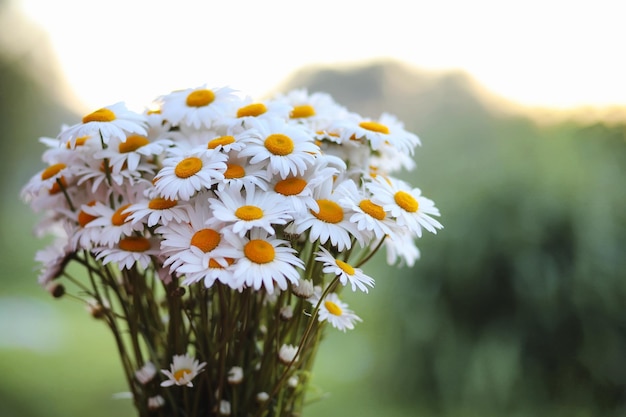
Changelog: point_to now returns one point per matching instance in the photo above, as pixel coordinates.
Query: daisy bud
(304, 288)
(156, 402)
(287, 354)
(96, 309)
(146, 373)
(224, 408)
(292, 381)
(262, 396)
(55, 289)
(286, 313)
(235, 375)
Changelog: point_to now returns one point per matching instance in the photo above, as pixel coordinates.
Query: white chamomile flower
(346, 272)
(146, 373)
(53, 260)
(335, 311)
(183, 369)
(405, 204)
(401, 248)
(240, 173)
(288, 354)
(316, 110)
(249, 209)
(248, 109)
(127, 153)
(157, 211)
(227, 143)
(286, 149)
(235, 375)
(197, 107)
(182, 176)
(47, 179)
(387, 129)
(130, 250)
(263, 261)
(114, 121)
(111, 224)
(156, 402)
(329, 223)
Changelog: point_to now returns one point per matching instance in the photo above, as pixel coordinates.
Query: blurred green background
(515, 309)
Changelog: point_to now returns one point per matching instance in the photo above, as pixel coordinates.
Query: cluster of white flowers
(207, 185)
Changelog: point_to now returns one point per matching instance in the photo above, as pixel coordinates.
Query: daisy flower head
(114, 121)
(248, 208)
(128, 153)
(285, 149)
(249, 109)
(241, 173)
(262, 261)
(199, 107)
(129, 251)
(157, 211)
(401, 248)
(405, 204)
(387, 129)
(346, 272)
(316, 110)
(111, 224)
(183, 369)
(334, 311)
(330, 222)
(229, 142)
(182, 176)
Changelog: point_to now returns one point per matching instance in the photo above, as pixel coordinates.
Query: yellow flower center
(188, 167)
(206, 240)
(375, 127)
(406, 201)
(159, 203)
(333, 308)
(330, 212)
(372, 209)
(56, 188)
(259, 251)
(254, 110)
(52, 170)
(118, 217)
(181, 373)
(290, 186)
(200, 98)
(215, 265)
(249, 213)
(222, 140)
(234, 171)
(100, 115)
(345, 267)
(305, 110)
(133, 143)
(134, 244)
(79, 142)
(86, 218)
(279, 144)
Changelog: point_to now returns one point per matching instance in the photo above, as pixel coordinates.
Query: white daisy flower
(235, 375)
(329, 222)
(249, 209)
(335, 311)
(316, 110)
(114, 121)
(47, 178)
(197, 107)
(127, 153)
(157, 211)
(345, 271)
(286, 149)
(129, 251)
(156, 402)
(401, 248)
(111, 224)
(146, 373)
(183, 369)
(387, 129)
(240, 173)
(248, 109)
(224, 408)
(53, 260)
(227, 143)
(405, 204)
(262, 261)
(182, 176)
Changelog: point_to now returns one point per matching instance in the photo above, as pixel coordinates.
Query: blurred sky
(537, 52)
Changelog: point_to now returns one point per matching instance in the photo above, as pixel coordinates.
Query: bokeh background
(516, 308)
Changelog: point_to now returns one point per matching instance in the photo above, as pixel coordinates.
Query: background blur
(515, 309)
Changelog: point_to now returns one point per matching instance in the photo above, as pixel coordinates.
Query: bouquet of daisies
(215, 233)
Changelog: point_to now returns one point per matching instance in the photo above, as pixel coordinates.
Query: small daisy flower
(53, 260)
(156, 402)
(227, 143)
(157, 210)
(248, 109)
(182, 176)
(111, 224)
(405, 204)
(114, 121)
(303, 288)
(335, 311)
(286, 149)
(183, 369)
(249, 209)
(146, 373)
(127, 153)
(130, 250)
(345, 271)
(263, 261)
(197, 107)
(225, 408)
(401, 248)
(240, 173)
(316, 110)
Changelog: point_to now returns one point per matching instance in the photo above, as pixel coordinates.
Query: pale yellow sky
(537, 52)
